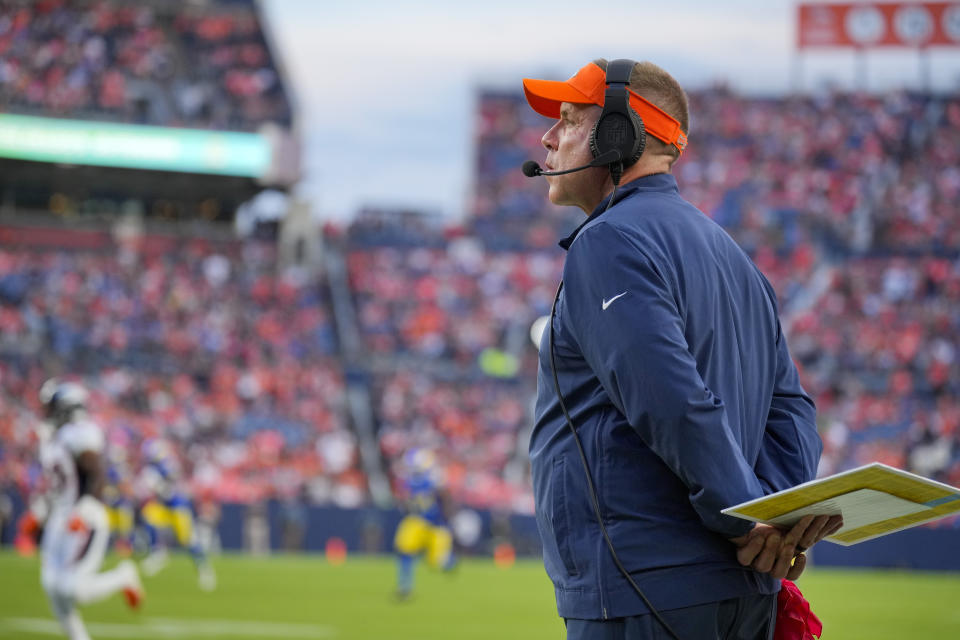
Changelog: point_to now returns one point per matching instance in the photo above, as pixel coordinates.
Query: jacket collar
(654, 182)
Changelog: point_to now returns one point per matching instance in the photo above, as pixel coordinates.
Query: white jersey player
(76, 532)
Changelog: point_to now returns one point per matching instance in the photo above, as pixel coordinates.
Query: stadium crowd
(212, 349)
(857, 173)
(473, 424)
(879, 353)
(200, 65)
(847, 202)
(450, 303)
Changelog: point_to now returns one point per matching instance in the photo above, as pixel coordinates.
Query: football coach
(665, 392)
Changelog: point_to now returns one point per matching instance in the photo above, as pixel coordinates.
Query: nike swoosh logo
(607, 303)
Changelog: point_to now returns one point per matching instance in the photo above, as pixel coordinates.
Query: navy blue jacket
(673, 366)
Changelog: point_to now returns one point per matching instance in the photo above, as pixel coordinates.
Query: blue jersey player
(167, 508)
(118, 501)
(424, 530)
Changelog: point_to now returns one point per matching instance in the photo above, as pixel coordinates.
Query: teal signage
(133, 146)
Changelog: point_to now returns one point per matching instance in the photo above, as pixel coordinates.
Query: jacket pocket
(562, 530)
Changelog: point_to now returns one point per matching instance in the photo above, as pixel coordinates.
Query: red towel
(795, 620)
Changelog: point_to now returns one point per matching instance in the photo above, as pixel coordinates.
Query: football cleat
(133, 592)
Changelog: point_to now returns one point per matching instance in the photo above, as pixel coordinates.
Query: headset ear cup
(619, 127)
(622, 130)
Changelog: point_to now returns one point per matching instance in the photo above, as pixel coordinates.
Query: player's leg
(89, 530)
(55, 550)
(120, 515)
(68, 617)
(440, 550)
(185, 532)
(93, 587)
(155, 518)
(409, 541)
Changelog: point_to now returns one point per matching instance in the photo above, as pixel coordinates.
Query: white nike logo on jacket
(607, 303)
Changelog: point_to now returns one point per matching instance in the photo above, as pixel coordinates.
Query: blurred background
(290, 240)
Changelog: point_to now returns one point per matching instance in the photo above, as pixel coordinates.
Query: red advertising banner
(878, 24)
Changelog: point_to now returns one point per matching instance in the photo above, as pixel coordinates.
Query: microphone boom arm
(531, 169)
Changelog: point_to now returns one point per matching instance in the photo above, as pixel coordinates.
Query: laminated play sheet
(874, 500)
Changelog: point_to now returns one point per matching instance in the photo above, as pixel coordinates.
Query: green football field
(301, 597)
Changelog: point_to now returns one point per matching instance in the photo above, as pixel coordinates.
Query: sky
(385, 91)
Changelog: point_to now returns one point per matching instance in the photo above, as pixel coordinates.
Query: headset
(618, 137)
(618, 129)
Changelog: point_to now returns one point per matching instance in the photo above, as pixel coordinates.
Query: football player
(167, 508)
(76, 532)
(425, 529)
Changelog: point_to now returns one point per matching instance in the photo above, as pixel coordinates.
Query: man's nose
(549, 139)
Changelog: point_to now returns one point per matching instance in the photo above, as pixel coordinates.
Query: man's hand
(769, 549)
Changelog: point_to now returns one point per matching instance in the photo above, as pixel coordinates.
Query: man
(76, 532)
(167, 508)
(424, 530)
(672, 368)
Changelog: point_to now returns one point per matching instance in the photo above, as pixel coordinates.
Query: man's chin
(555, 196)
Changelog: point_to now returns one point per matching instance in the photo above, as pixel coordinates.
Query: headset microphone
(531, 169)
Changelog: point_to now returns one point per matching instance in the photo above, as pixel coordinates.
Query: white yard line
(176, 628)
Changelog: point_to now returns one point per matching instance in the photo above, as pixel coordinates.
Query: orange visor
(587, 87)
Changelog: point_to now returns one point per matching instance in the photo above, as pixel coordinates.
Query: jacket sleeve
(630, 331)
(791, 447)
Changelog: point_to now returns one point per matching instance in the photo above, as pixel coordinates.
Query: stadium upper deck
(200, 65)
(171, 110)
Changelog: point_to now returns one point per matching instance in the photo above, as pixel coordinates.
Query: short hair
(649, 81)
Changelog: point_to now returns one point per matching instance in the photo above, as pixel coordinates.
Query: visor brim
(546, 96)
